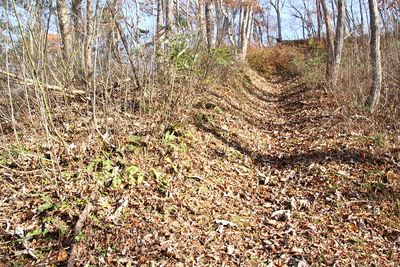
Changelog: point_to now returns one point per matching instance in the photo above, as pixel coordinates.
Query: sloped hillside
(258, 173)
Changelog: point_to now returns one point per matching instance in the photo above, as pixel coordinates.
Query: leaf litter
(265, 174)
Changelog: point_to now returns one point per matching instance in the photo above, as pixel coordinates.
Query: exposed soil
(258, 173)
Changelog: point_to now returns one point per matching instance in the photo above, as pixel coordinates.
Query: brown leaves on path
(257, 174)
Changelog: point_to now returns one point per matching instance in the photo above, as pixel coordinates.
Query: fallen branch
(77, 229)
(13, 78)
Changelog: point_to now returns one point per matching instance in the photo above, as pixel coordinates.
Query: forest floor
(258, 173)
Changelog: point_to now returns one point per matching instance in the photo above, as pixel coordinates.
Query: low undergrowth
(256, 173)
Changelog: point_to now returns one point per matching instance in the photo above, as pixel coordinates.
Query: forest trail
(262, 173)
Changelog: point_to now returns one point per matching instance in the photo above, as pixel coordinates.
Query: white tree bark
(246, 30)
(138, 20)
(169, 17)
(65, 29)
(210, 25)
(376, 65)
(160, 17)
(88, 58)
(201, 22)
(231, 27)
(339, 40)
(278, 6)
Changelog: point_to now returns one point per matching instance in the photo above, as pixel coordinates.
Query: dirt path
(262, 175)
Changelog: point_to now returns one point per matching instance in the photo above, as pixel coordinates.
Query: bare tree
(160, 18)
(76, 13)
(375, 91)
(124, 40)
(65, 30)
(297, 13)
(329, 37)
(169, 17)
(201, 22)
(245, 29)
(339, 39)
(89, 34)
(278, 6)
(334, 45)
(319, 20)
(210, 24)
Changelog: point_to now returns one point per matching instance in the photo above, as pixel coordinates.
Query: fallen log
(13, 78)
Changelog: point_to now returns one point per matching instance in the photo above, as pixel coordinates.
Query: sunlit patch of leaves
(263, 182)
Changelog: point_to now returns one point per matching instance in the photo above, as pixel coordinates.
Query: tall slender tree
(334, 43)
(89, 36)
(201, 22)
(375, 91)
(210, 24)
(169, 17)
(278, 6)
(329, 37)
(246, 29)
(339, 40)
(65, 30)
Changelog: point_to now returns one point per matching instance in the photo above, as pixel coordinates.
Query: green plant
(183, 148)
(106, 167)
(135, 143)
(380, 186)
(203, 119)
(398, 208)
(172, 164)
(102, 162)
(81, 201)
(47, 205)
(80, 236)
(135, 175)
(218, 109)
(379, 140)
(182, 57)
(33, 233)
(169, 137)
(64, 231)
(49, 220)
(163, 182)
(221, 56)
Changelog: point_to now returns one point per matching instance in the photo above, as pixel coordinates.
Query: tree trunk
(319, 21)
(311, 32)
(278, 18)
(210, 25)
(201, 21)
(65, 30)
(76, 13)
(329, 38)
(160, 18)
(169, 18)
(375, 92)
(339, 40)
(89, 36)
(135, 72)
(222, 23)
(278, 6)
(360, 2)
(246, 30)
(138, 22)
(231, 27)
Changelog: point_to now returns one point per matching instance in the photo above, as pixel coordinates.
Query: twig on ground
(78, 227)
